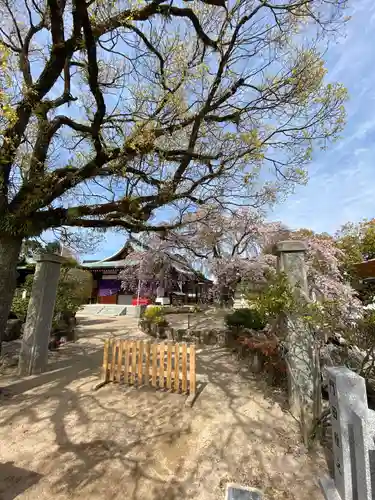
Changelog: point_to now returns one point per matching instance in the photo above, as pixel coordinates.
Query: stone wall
(198, 336)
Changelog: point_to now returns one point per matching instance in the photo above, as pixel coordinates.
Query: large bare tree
(111, 110)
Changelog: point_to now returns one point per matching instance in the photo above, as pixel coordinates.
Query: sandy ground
(59, 439)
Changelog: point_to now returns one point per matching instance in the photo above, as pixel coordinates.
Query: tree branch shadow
(128, 443)
(15, 480)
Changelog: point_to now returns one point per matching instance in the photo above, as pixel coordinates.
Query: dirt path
(61, 440)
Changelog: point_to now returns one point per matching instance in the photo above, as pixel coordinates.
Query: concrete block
(328, 487)
(362, 475)
(347, 393)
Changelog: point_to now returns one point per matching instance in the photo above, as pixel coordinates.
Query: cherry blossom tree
(228, 245)
(328, 283)
(153, 263)
(237, 247)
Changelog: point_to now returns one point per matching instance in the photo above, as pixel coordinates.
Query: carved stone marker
(299, 338)
(34, 349)
(352, 431)
(347, 391)
(238, 492)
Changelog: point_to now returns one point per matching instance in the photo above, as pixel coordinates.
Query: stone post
(160, 292)
(347, 392)
(299, 338)
(352, 433)
(34, 349)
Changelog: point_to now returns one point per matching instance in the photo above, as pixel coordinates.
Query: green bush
(246, 318)
(73, 290)
(19, 305)
(155, 315)
(275, 299)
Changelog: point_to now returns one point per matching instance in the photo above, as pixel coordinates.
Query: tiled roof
(115, 264)
(104, 264)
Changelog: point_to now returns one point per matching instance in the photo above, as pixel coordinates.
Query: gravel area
(59, 439)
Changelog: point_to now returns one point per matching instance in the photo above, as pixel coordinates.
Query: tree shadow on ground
(121, 442)
(223, 362)
(216, 367)
(83, 463)
(129, 330)
(85, 321)
(64, 366)
(15, 479)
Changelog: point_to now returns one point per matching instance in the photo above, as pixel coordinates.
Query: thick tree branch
(56, 11)
(166, 139)
(149, 10)
(109, 218)
(93, 72)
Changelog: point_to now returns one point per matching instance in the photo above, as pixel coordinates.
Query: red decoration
(141, 302)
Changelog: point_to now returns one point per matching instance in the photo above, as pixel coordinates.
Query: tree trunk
(9, 252)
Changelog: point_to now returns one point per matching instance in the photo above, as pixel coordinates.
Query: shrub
(246, 318)
(73, 290)
(19, 305)
(155, 315)
(276, 298)
(153, 312)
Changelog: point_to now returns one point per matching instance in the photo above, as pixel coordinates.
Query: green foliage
(363, 335)
(246, 318)
(155, 315)
(357, 243)
(32, 247)
(368, 241)
(53, 247)
(73, 290)
(276, 299)
(19, 305)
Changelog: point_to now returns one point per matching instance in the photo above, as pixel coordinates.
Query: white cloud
(342, 179)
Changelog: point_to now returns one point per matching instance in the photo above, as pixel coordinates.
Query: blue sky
(341, 187)
(341, 183)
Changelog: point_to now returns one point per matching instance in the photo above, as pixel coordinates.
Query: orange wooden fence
(166, 365)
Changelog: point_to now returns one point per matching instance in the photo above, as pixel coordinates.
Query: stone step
(103, 310)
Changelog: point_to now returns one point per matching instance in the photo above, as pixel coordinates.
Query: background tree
(31, 248)
(155, 262)
(112, 110)
(357, 241)
(227, 244)
(74, 289)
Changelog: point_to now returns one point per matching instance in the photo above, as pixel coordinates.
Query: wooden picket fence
(167, 365)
